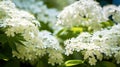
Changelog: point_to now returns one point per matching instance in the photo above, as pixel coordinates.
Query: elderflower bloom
(36, 43)
(117, 57)
(84, 13)
(109, 10)
(49, 40)
(52, 47)
(21, 22)
(116, 15)
(41, 12)
(101, 43)
(112, 10)
(55, 56)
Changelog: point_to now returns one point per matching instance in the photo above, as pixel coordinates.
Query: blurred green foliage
(59, 4)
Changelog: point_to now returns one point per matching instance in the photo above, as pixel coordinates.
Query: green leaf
(45, 26)
(105, 64)
(12, 41)
(73, 62)
(108, 64)
(3, 38)
(13, 46)
(107, 24)
(18, 39)
(60, 31)
(40, 64)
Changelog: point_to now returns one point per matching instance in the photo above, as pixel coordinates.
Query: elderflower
(92, 61)
(17, 20)
(116, 15)
(21, 22)
(41, 12)
(84, 13)
(55, 56)
(109, 10)
(101, 43)
(52, 47)
(49, 40)
(112, 10)
(117, 57)
(36, 44)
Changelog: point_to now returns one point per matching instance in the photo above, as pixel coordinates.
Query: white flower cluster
(52, 47)
(96, 45)
(18, 21)
(101, 43)
(49, 40)
(42, 13)
(37, 43)
(116, 15)
(112, 10)
(84, 13)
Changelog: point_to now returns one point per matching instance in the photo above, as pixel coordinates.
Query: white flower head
(36, 43)
(97, 45)
(49, 40)
(52, 46)
(116, 15)
(109, 10)
(112, 10)
(41, 11)
(82, 12)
